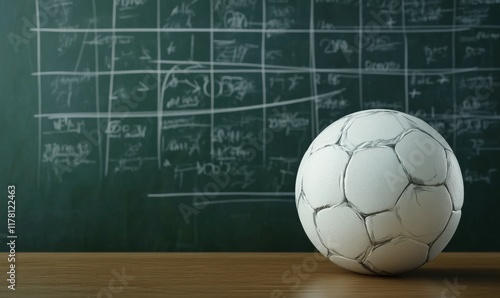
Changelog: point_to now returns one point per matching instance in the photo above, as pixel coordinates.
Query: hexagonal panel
(349, 264)
(374, 179)
(330, 135)
(383, 226)
(306, 216)
(454, 181)
(424, 211)
(446, 236)
(414, 122)
(323, 176)
(398, 255)
(371, 127)
(343, 231)
(423, 158)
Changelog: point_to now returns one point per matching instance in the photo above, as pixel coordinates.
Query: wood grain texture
(304, 275)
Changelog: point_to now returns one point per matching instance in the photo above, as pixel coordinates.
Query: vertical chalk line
(97, 90)
(158, 85)
(212, 83)
(314, 87)
(453, 59)
(263, 77)
(111, 82)
(405, 36)
(360, 55)
(39, 77)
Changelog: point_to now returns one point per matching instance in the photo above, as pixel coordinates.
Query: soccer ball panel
(361, 129)
(306, 216)
(349, 264)
(454, 181)
(398, 255)
(343, 231)
(383, 226)
(330, 135)
(423, 158)
(415, 122)
(446, 236)
(374, 179)
(424, 211)
(323, 176)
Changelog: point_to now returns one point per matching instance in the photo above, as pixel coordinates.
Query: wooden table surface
(305, 275)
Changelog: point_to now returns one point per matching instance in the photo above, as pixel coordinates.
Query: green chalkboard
(155, 125)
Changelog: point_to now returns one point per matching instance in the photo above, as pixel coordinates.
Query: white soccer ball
(379, 192)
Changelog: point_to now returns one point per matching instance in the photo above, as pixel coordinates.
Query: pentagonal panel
(374, 179)
(423, 158)
(424, 211)
(349, 264)
(306, 216)
(300, 173)
(414, 122)
(371, 127)
(329, 135)
(398, 255)
(343, 231)
(383, 226)
(454, 181)
(323, 176)
(446, 236)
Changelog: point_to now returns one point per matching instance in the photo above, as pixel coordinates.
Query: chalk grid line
(405, 37)
(39, 79)
(212, 83)
(111, 91)
(158, 88)
(453, 57)
(360, 56)
(97, 90)
(312, 61)
(395, 29)
(399, 72)
(263, 78)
